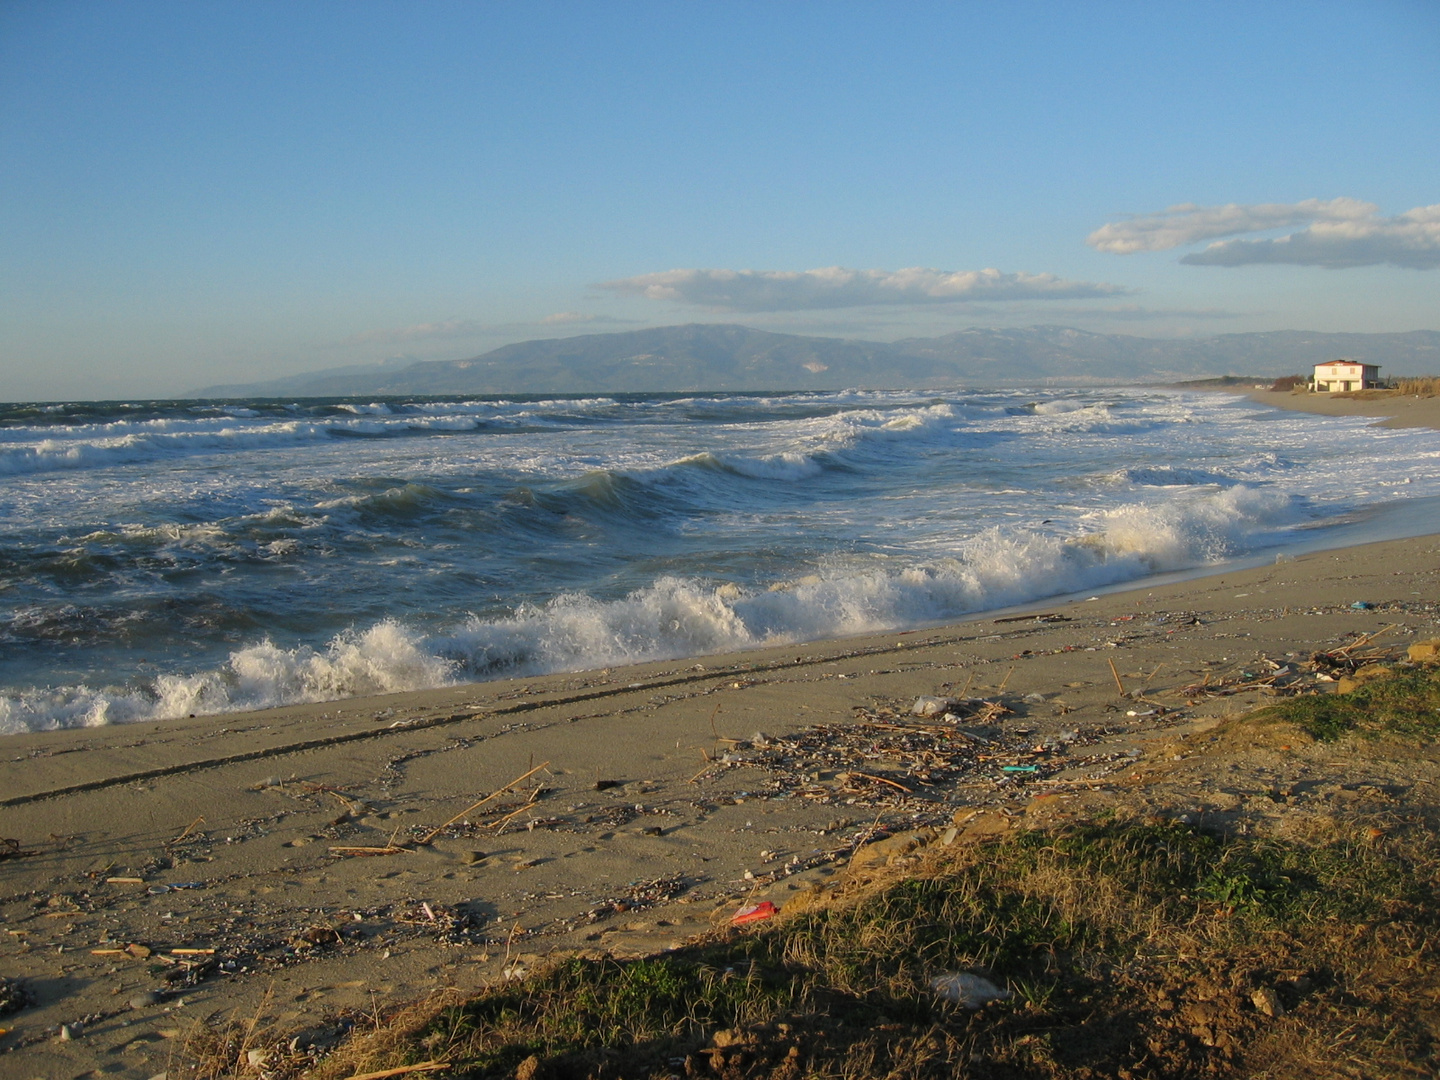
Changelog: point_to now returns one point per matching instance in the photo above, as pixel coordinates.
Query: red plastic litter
(754, 913)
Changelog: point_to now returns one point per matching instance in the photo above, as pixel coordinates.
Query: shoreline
(286, 840)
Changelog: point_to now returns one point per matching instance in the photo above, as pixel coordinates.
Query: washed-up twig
(389, 849)
(1118, 684)
(475, 806)
(708, 766)
(383, 1074)
(946, 729)
(1366, 639)
(188, 830)
(10, 849)
(882, 780)
(499, 826)
(1049, 616)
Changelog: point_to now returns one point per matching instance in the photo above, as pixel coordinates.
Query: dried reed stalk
(475, 806)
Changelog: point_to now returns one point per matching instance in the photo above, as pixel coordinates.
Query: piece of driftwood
(11, 849)
(424, 1066)
(1118, 684)
(188, 830)
(475, 806)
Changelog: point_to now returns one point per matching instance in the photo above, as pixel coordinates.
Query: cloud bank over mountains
(1337, 234)
(839, 287)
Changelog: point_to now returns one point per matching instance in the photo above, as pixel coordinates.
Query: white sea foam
(383, 659)
(677, 616)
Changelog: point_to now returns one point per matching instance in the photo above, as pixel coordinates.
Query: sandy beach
(311, 861)
(1392, 410)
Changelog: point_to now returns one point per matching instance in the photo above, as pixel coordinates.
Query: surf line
(479, 713)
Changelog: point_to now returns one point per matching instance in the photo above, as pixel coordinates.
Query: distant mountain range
(702, 357)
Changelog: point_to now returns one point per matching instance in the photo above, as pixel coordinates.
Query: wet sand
(285, 849)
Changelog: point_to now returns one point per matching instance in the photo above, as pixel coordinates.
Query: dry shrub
(1423, 386)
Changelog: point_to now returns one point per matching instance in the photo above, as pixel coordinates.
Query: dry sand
(229, 833)
(1395, 410)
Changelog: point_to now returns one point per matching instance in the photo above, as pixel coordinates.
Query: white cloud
(838, 287)
(1337, 233)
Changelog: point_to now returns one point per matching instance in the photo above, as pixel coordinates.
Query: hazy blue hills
(723, 357)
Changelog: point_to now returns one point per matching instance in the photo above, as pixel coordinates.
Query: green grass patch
(1405, 703)
(1086, 926)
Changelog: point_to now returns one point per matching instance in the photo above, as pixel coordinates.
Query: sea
(167, 558)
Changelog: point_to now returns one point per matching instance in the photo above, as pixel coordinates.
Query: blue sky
(193, 193)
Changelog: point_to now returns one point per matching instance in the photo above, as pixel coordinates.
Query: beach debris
(1362, 605)
(145, 999)
(13, 995)
(11, 849)
(134, 951)
(752, 913)
(430, 837)
(606, 785)
(1268, 1002)
(1119, 686)
(402, 1070)
(189, 829)
(967, 990)
(640, 895)
(315, 936)
(926, 706)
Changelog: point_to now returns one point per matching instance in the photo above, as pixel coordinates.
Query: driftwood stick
(475, 806)
(188, 830)
(882, 780)
(499, 826)
(1366, 639)
(403, 1070)
(708, 766)
(1118, 684)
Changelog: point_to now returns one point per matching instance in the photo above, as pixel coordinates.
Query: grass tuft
(1405, 703)
(1098, 931)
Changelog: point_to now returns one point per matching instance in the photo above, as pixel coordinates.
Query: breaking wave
(677, 616)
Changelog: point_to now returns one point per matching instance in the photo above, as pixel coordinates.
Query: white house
(1342, 375)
